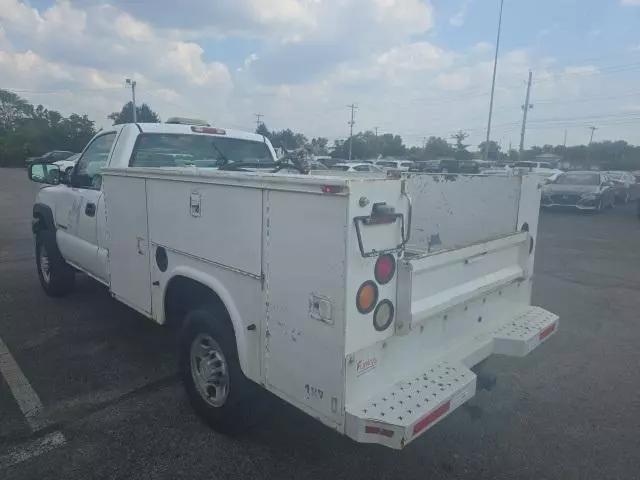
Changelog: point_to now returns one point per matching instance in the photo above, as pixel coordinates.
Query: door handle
(90, 210)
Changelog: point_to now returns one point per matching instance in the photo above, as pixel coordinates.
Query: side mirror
(45, 173)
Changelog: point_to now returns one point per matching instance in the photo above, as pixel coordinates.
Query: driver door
(83, 207)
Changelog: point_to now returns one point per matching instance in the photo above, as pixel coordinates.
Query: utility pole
(493, 84)
(525, 109)
(564, 143)
(593, 129)
(132, 83)
(258, 121)
(376, 129)
(352, 122)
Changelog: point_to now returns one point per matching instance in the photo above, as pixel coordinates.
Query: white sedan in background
(356, 167)
(401, 165)
(66, 165)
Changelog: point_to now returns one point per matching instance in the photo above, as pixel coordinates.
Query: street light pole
(493, 84)
(525, 109)
(132, 83)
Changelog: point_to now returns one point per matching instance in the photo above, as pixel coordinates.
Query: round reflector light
(367, 297)
(383, 316)
(385, 268)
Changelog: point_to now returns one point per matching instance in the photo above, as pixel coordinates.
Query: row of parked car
(429, 166)
(583, 190)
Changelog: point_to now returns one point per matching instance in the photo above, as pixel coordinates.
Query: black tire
(612, 203)
(234, 415)
(600, 206)
(59, 279)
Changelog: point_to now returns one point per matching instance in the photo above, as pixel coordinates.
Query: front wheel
(56, 276)
(210, 370)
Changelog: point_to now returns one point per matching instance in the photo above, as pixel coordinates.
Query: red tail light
(385, 268)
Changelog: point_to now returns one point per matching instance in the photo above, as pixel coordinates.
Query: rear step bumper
(401, 413)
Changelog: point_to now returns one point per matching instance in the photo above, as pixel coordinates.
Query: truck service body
(362, 299)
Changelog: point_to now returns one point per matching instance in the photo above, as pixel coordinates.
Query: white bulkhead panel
(452, 211)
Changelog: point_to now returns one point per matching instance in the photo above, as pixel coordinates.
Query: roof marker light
(211, 130)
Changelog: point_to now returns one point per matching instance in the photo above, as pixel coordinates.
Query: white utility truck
(361, 299)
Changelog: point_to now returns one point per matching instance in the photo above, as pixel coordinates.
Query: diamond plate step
(407, 409)
(525, 332)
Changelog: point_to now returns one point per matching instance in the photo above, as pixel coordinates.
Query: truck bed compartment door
(128, 240)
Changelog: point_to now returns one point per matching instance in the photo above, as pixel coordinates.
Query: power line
(62, 90)
(559, 100)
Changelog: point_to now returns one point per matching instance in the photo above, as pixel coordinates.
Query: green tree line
(27, 130)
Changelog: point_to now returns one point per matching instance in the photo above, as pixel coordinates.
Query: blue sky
(414, 67)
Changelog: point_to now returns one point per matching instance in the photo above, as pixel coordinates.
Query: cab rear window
(176, 150)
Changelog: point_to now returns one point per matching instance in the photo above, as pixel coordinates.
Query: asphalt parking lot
(111, 405)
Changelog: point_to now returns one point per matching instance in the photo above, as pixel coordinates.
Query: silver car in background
(580, 190)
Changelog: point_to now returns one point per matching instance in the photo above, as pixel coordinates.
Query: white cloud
(458, 19)
(128, 27)
(298, 62)
(482, 47)
(581, 70)
(414, 57)
(630, 3)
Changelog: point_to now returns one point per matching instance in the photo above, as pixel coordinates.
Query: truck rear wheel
(218, 390)
(56, 276)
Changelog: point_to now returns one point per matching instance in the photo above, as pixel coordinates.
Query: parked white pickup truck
(362, 299)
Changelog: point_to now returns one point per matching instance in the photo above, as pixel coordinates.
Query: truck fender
(219, 289)
(42, 218)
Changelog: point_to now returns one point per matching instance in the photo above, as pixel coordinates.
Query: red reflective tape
(378, 431)
(332, 189)
(547, 331)
(431, 417)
